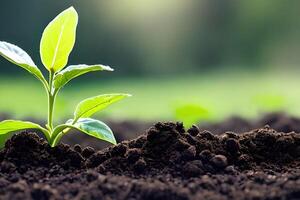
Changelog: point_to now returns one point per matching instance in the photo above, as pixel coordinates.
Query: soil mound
(128, 130)
(168, 149)
(167, 162)
(280, 122)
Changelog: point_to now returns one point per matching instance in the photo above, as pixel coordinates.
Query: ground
(166, 163)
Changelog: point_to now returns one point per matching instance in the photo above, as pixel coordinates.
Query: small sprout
(57, 42)
(269, 102)
(190, 114)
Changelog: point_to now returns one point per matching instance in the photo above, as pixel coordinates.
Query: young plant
(269, 102)
(191, 114)
(57, 42)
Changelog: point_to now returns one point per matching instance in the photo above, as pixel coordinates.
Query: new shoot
(57, 42)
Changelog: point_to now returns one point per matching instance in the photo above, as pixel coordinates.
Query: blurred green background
(191, 60)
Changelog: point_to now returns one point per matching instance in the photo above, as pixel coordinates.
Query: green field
(222, 95)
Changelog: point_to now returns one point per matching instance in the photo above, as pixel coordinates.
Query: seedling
(191, 113)
(57, 42)
(269, 102)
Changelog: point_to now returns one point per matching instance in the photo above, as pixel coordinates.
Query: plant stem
(57, 133)
(51, 101)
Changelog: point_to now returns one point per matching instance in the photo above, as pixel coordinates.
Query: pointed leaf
(58, 40)
(90, 106)
(9, 126)
(19, 57)
(73, 71)
(94, 128)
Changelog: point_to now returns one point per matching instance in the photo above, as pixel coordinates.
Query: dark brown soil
(278, 121)
(127, 130)
(123, 130)
(167, 162)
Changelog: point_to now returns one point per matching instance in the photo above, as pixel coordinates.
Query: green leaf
(4, 138)
(19, 57)
(88, 126)
(94, 128)
(58, 40)
(90, 106)
(73, 71)
(269, 102)
(9, 126)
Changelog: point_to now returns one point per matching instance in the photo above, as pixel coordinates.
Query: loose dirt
(166, 162)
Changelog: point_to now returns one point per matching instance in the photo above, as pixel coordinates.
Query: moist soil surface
(127, 130)
(166, 162)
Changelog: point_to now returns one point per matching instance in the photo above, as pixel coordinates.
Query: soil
(127, 130)
(166, 162)
(123, 130)
(281, 122)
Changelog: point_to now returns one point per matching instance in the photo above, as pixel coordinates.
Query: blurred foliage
(269, 102)
(222, 94)
(161, 37)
